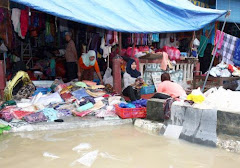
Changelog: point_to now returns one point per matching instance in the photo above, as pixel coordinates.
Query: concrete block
(155, 109)
(199, 125)
(228, 123)
(149, 125)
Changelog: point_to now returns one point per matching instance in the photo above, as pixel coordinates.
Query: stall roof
(139, 16)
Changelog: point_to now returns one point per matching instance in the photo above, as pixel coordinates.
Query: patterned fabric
(236, 57)
(25, 91)
(35, 117)
(228, 48)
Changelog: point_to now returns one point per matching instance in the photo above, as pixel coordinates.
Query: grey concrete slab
(71, 123)
(228, 123)
(155, 109)
(199, 125)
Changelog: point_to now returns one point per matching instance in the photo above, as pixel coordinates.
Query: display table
(212, 81)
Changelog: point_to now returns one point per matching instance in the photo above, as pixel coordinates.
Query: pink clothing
(218, 33)
(164, 61)
(171, 88)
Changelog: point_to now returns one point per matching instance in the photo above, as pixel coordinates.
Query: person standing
(71, 57)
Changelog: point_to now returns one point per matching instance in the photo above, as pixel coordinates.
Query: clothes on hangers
(24, 21)
(236, 57)
(228, 48)
(218, 34)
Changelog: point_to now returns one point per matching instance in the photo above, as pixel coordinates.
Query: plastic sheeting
(139, 16)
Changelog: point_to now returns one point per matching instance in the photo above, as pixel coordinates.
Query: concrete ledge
(149, 125)
(71, 123)
(228, 123)
(199, 125)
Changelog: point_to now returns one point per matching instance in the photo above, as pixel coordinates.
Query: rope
(237, 26)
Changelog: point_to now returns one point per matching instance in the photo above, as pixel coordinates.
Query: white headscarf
(85, 58)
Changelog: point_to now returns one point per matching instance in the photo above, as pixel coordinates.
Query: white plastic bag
(108, 78)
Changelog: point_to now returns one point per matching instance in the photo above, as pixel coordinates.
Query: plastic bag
(108, 78)
(196, 96)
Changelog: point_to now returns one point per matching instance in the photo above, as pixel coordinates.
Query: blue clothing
(236, 57)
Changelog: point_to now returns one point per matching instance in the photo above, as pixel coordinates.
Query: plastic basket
(131, 112)
(148, 89)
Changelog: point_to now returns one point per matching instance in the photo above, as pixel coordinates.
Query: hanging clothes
(202, 46)
(155, 37)
(150, 39)
(217, 38)
(236, 57)
(1, 14)
(145, 39)
(16, 19)
(24, 21)
(95, 42)
(109, 37)
(228, 48)
(115, 38)
(63, 25)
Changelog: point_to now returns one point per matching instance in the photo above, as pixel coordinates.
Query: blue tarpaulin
(139, 16)
(233, 5)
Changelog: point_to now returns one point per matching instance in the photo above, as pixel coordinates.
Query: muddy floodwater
(107, 147)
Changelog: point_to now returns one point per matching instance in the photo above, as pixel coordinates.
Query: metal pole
(214, 54)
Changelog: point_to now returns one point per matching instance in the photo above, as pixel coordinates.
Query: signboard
(156, 80)
(198, 3)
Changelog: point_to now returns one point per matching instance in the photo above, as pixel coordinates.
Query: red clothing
(171, 88)
(24, 21)
(83, 66)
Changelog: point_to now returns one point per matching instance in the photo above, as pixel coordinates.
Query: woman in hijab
(87, 65)
(132, 81)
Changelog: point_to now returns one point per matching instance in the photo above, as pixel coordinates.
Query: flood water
(107, 147)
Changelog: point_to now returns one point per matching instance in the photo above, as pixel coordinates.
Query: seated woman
(167, 88)
(132, 81)
(87, 64)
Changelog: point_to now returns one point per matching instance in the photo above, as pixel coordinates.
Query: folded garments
(68, 97)
(96, 94)
(81, 84)
(140, 103)
(35, 117)
(114, 100)
(98, 105)
(89, 83)
(52, 98)
(63, 113)
(86, 100)
(80, 93)
(97, 87)
(50, 113)
(85, 107)
(20, 114)
(83, 113)
(4, 128)
(127, 105)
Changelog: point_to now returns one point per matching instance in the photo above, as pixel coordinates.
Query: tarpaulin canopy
(139, 16)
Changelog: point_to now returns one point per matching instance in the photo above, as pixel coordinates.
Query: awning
(139, 16)
(233, 5)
